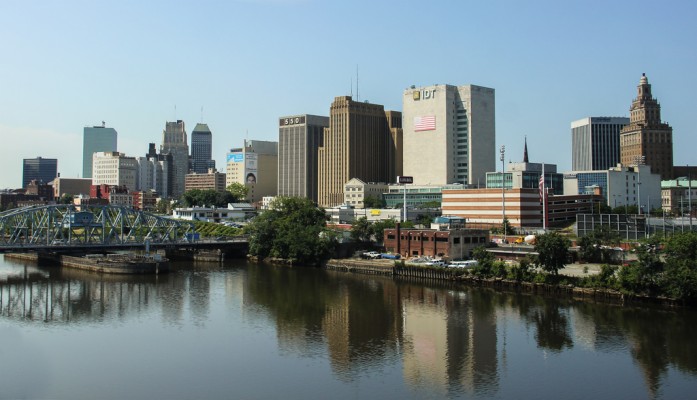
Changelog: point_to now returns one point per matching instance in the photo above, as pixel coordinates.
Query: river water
(247, 331)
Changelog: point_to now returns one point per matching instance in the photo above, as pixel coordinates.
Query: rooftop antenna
(357, 96)
(201, 114)
(351, 86)
(175, 112)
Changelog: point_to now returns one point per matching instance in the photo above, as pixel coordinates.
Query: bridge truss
(104, 225)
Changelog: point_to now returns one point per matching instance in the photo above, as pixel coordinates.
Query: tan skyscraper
(646, 139)
(361, 142)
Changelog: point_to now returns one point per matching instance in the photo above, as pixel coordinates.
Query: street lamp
(502, 151)
(639, 160)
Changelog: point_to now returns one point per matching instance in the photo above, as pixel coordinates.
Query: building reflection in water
(448, 340)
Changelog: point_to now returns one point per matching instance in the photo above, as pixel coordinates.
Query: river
(247, 331)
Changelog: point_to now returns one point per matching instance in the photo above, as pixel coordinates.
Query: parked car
(371, 255)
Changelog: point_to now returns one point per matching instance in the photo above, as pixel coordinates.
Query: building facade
(417, 195)
(299, 138)
(619, 186)
(254, 165)
(44, 170)
(201, 149)
(359, 143)
(174, 142)
(523, 207)
(71, 186)
(356, 191)
(527, 175)
(647, 140)
(595, 142)
(451, 244)
(449, 134)
(96, 139)
(211, 180)
(114, 169)
(678, 196)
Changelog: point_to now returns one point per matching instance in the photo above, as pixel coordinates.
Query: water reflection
(445, 340)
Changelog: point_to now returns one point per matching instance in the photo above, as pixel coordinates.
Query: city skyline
(125, 73)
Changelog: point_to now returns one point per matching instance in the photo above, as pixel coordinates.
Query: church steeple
(525, 151)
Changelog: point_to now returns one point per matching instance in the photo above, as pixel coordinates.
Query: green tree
(163, 206)
(680, 279)
(361, 230)
(238, 191)
(373, 202)
(66, 199)
(553, 251)
(293, 229)
(206, 198)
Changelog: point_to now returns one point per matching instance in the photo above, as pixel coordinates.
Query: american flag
(425, 123)
(542, 187)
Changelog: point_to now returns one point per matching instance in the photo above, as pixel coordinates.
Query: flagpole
(544, 200)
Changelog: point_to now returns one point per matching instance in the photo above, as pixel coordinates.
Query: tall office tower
(359, 143)
(154, 172)
(449, 134)
(201, 149)
(646, 139)
(256, 166)
(96, 139)
(174, 142)
(114, 169)
(299, 137)
(595, 143)
(43, 170)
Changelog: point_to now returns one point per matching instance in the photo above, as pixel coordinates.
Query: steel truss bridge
(56, 227)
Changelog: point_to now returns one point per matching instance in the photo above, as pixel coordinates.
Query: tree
(238, 191)
(361, 230)
(209, 197)
(66, 199)
(163, 206)
(294, 229)
(373, 202)
(553, 251)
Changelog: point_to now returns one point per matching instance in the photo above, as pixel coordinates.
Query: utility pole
(503, 190)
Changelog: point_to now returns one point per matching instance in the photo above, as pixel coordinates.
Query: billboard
(250, 169)
(235, 157)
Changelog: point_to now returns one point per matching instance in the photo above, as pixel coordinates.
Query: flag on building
(425, 123)
(541, 186)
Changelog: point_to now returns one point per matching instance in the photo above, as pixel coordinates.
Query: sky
(239, 65)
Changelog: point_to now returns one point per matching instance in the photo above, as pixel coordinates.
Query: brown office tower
(361, 142)
(646, 140)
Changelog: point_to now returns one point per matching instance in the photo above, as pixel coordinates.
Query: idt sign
(405, 179)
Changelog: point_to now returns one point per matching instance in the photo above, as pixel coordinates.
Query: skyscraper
(40, 169)
(359, 143)
(595, 143)
(174, 142)
(201, 149)
(299, 137)
(647, 140)
(449, 134)
(96, 139)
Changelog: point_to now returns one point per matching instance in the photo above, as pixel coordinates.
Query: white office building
(114, 169)
(449, 134)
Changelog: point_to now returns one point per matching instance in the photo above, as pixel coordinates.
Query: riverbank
(389, 267)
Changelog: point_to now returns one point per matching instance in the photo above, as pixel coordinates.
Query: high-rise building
(647, 140)
(595, 143)
(201, 149)
(174, 142)
(155, 172)
(449, 134)
(114, 169)
(299, 137)
(43, 170)
(96, 139)
(359, 143)
(256, 166)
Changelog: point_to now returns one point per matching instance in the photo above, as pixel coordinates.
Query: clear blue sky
(69, 64)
